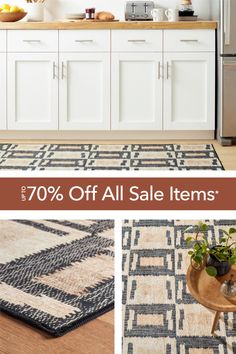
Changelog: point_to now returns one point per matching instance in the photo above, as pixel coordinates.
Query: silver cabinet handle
(62, 70)
(84, 40)
(31, 40)
(188, 40)
(54, 70)
(137, 40)
(167, 70)
(159, 70)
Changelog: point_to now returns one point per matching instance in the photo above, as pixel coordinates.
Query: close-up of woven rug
(55, 274)
(159, 314)
(31, 157)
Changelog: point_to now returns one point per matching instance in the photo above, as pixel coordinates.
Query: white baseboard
(107, 135)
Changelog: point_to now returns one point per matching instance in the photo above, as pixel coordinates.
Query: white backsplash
(56, 9)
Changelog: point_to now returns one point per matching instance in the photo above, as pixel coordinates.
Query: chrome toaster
(138, 10)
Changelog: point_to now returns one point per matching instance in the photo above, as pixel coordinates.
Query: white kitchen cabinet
(84, 41)
(189, 91)
(3, 41)
(3, 96)
(137, 41)
(136, 91)
(189, 40)
(32, 91)
(84, 91)
(153, 80)
(32, 41)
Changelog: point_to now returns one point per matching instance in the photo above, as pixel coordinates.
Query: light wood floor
(227, 154)
(95, 337)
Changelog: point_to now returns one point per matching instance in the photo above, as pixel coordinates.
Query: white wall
(56, 9)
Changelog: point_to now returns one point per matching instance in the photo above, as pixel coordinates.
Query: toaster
(138, 10)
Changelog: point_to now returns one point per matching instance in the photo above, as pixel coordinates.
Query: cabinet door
(3, 99)
(189, 91)
(84, 91)
(136, 91)
(32, 91)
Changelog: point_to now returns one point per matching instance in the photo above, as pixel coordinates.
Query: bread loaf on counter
(104, 16)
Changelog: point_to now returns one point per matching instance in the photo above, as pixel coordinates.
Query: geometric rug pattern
(31, 157)
(56, 274)
(159, 314)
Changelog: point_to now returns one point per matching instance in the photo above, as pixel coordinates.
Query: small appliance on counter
(186, 12)
(138, 10)
(186, 8)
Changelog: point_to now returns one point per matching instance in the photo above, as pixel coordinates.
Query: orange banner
(118, 193)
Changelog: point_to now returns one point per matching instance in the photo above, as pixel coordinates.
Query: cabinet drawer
(136, 40)
(189, 40)
(84, 40)
(2, 41)
(32, 41)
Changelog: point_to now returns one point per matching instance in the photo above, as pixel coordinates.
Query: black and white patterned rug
(109, 157)
(56, 274)
(159, 314)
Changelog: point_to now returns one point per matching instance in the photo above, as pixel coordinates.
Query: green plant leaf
(205, 239)
(232, 260)
(211, 271)
(189, 239)
(232, 230)
(203, 227)
(198, 259)
(223, 240)
(190, 253)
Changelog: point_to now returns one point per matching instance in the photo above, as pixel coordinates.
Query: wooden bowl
(12, 16)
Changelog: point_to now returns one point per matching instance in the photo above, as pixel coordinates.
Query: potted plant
(217, 259)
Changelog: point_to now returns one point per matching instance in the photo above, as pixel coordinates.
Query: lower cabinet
(3, 95)
(140, 80)
(136, 91)
(189, 91)
(84, 91)
(32, 91)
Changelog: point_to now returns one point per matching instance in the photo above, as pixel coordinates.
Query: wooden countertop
(57, 25)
